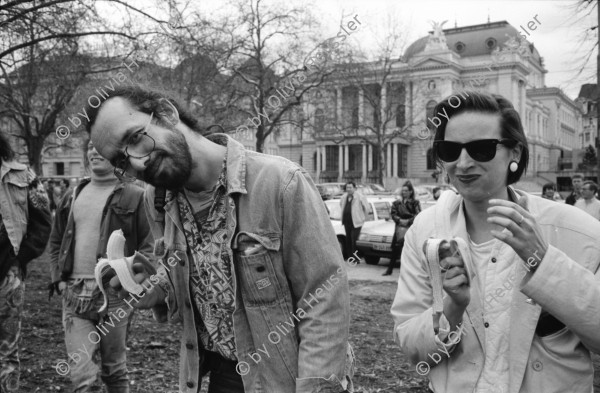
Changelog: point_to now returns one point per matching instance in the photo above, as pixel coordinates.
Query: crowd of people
(244, 251)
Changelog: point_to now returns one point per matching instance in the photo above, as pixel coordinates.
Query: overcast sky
(559, 38)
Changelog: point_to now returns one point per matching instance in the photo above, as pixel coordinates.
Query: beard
(170, 168)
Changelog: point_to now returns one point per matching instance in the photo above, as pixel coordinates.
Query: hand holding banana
(125, 274)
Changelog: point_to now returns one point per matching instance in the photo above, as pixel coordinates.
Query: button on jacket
(565, 284)
(124, 209)
(291, 315)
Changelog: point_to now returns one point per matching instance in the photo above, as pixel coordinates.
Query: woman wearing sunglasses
(520, 307)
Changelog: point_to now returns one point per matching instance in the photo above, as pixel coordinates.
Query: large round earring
(513, 166)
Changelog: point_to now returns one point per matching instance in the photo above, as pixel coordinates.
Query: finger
(506, 223)
(449, 262)
(115, 283)
(509, 204)
(502, 211)
(456, 283)
(140, 277)
(455, 271)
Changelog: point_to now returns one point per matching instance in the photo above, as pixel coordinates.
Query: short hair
(478, 101)
(548, 186)
(592, 185)
(577, 176)
(145, 100)
(435, 189)
(6, 151)
(349, 182)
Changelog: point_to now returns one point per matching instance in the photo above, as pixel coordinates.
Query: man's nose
(138, 164)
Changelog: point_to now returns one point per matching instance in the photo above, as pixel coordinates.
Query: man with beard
(249, 259)
(82, 226)
(24, 229)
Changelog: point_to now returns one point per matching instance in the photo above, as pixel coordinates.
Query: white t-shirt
(591, 207)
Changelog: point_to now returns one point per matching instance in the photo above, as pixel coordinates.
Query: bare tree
(43, 61)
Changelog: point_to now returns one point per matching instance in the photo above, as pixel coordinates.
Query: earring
(513, 166)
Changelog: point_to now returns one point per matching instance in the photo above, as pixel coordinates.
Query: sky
(558, 38)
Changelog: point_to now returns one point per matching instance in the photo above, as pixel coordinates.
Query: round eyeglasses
(139, 145)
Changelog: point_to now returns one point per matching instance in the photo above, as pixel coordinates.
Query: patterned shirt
(211, 278)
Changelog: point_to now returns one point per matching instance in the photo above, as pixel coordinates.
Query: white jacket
(566, 284)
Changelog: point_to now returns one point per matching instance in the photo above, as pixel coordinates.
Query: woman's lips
(467, 178)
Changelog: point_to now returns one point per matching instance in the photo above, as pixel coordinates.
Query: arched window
(429, 109)
(319, 121)
(430, 160)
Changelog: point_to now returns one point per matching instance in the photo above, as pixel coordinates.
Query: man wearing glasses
(588, 202)
(83, 223)
(249, 260)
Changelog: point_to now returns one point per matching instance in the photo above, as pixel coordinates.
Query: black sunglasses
(481, 150)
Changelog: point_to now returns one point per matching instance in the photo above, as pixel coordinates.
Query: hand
(62, 286)
(455, 279)
(520, 229)
(146, 299)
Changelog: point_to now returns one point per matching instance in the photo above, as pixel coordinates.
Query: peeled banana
(123, 266)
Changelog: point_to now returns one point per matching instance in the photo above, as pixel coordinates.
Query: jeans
(351, 238)
(11, 306)
(223, 375)
(87, 333)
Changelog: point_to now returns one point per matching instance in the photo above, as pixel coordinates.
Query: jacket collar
(236, 162)
(10, 165)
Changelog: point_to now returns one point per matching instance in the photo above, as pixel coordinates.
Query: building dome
(476, 40)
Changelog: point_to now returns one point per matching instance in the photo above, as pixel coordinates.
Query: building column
(383, 102)
(318, 169)
(395, 161)
(340, 162)
(324, 158)
(346, 157)
(338, 106)
(364, 163)
(388, 161)
(361, 105)
(370, 158)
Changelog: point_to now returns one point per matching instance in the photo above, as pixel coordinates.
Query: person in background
(588, 202)
(548, 191)
(403, 213)
(79, 237)
(355, 208)
(577, 182)
(436, 193)
(25, 222)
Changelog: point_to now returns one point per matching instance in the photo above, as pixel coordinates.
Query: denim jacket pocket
(19, 195)
(258, 280)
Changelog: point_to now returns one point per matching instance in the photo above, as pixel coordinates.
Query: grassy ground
(153, 356)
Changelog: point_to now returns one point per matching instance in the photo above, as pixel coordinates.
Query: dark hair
(146, 100)
(477, 101)
(548, 186)
(592, 185)
(65, 182)
(6, 151)
(349, 182)
(410, 187)
(435, 189)
(577, 176)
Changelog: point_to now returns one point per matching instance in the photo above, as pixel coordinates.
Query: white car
(379, 210)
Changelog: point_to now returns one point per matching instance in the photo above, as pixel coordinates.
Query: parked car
(379, 210)
(378, 189)
(332, 190)
(375, 240)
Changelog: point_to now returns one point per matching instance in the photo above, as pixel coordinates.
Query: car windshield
(365, 190)
(383, 210)
(377, 187)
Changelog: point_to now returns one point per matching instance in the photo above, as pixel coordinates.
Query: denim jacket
(291, 315)
(27, 223)
(124, 210)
